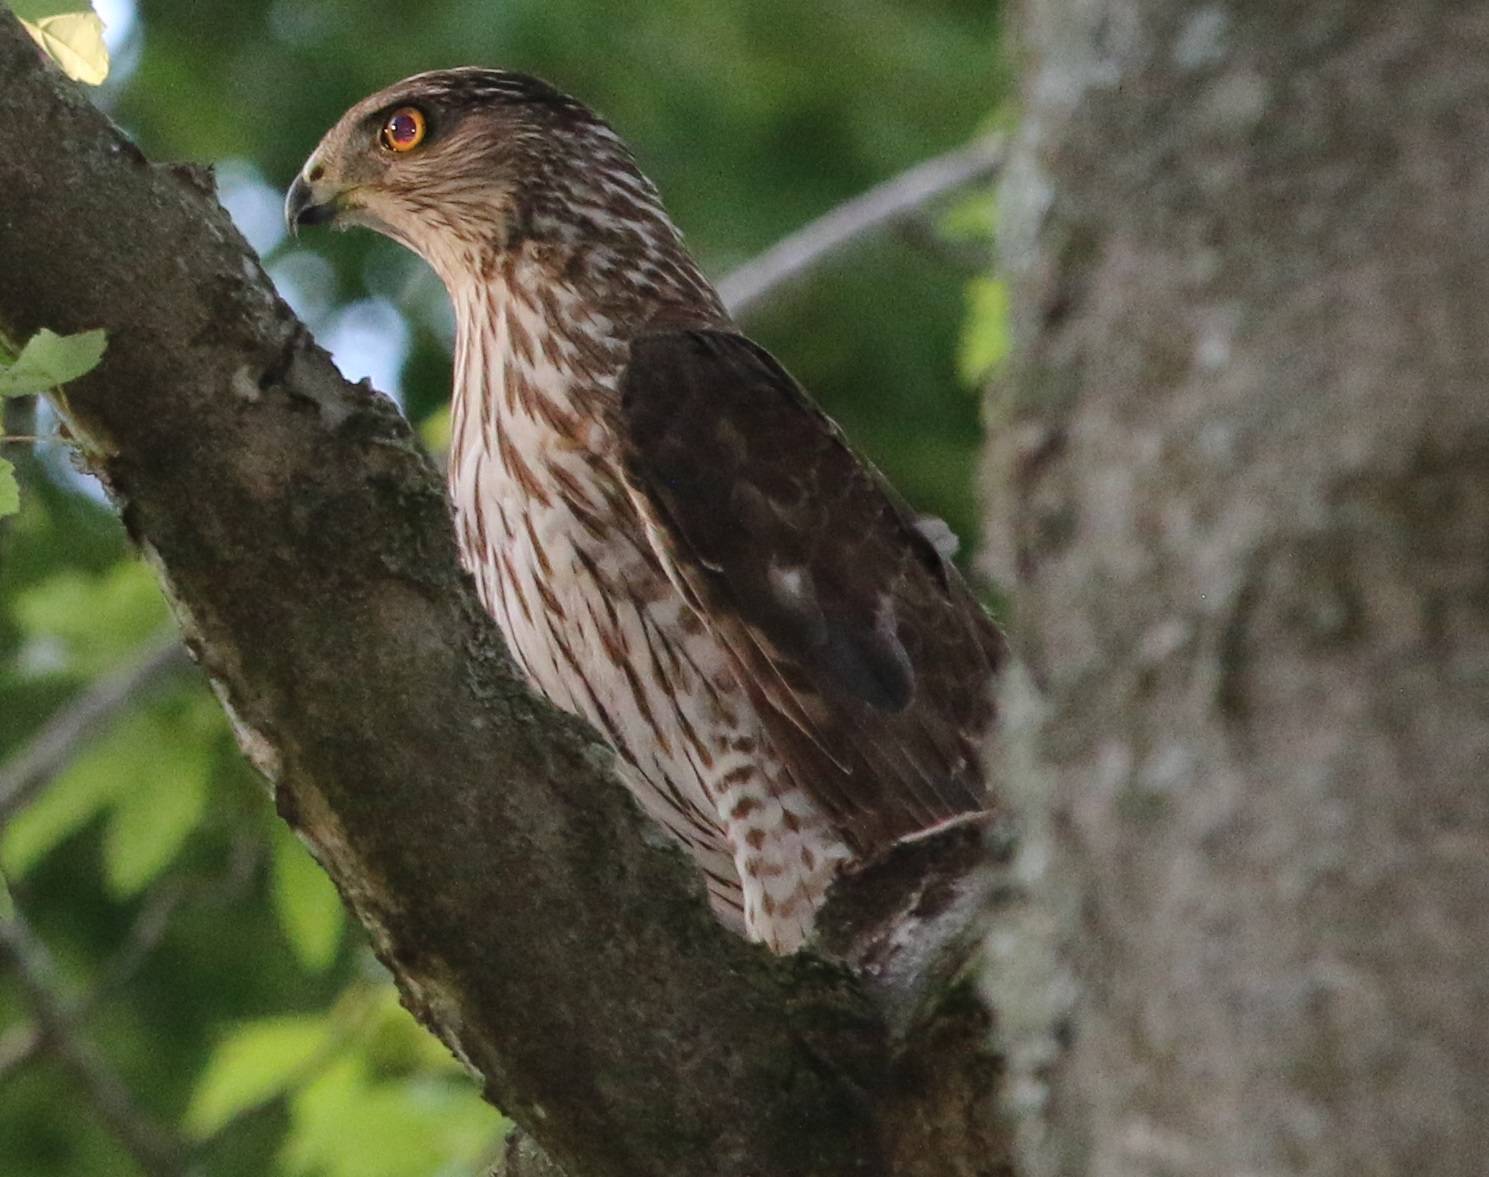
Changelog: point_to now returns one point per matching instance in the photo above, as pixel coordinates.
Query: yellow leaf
(74, 40)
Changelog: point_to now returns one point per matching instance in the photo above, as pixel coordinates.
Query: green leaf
(254, 1062)
(89, 786)
(150, 769)
(434, 431)
(306, 902)
(49, 359)
(155, 812)
(974, 218)
(74, 40)
(397, 1046)
(985, 338)
(96, 620)
(345, 1124)
(10, 490)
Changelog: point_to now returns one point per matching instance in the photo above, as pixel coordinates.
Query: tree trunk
(1242, 460)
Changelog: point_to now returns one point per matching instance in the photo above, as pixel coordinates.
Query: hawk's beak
(304, 206)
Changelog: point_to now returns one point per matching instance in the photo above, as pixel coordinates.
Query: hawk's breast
(562, 562)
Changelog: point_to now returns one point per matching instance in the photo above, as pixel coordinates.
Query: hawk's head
(460, 164)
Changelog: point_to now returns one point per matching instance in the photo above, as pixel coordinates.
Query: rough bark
(531, 916)
(1243, 457)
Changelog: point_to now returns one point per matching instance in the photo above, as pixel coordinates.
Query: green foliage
(435, 431)
(90, 622)
(973, 219)
(153, 815)
(10, 491)
(88, 788)
(985, 337)
(253, 1063)
(147, 780)
(348, 1123)
(396, 1046)
(308, 907)
(369, 1093)
(48, 360)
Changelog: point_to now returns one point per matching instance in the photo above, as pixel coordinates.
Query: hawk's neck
(543, 334)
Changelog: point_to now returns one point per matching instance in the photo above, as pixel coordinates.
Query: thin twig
(794, 255)
(50, 749)
(153, 1147)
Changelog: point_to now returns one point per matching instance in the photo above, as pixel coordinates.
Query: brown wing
(867, 654)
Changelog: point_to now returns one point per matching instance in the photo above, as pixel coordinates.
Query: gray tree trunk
(1242, 467)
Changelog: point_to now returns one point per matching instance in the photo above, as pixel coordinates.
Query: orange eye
(404, 129)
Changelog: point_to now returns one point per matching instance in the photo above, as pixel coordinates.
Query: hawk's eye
(404, 129)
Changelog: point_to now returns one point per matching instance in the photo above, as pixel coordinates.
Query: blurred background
(192, 999)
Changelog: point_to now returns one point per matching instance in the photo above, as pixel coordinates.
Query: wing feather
(868, 656)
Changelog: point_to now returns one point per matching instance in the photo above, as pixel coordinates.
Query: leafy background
(187, 937)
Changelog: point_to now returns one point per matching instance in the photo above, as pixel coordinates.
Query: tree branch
(531, 916)
(792, 257)
(522, 1158)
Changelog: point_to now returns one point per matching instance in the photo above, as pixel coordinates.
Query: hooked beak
(304, 206)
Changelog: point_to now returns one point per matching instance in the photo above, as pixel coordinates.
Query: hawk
(676, 543)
